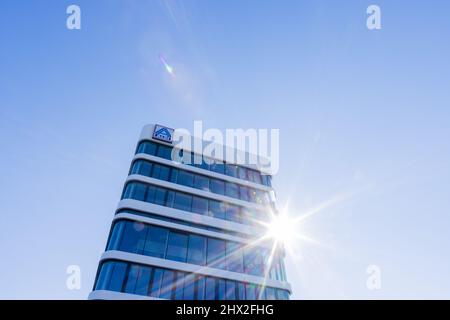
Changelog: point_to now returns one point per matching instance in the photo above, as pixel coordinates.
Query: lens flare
(168, 67)
(281, 229)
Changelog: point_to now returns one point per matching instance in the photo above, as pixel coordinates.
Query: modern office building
(190, 231)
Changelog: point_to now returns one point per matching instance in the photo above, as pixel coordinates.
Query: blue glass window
(244, 193)
(264, 255)
(221, 295)
(250, 290)
(252, 195)
(210, 289)
(216, 209)
(233, 213)
(217, 186)
(155, 245)
(249, 261)
(250, 175)
(270, 293)
(218, 166)
(273, 272)
(170, 197)
(133, 239)
(262, 197)
(254, 261)
(150, 196)
(132, 276)
(266, 180)
(147, 147)
(167, 285)
(234, 257)
(240, 291)
(283, 270)
(247, 216)
(160, 172)
(117, 276)
(179, 286)
(182, 201)
(257, 177)
(201, 182)
(282, 294)
(135, 191)
(216, 253)
(174, 175)
(142, 167)
(164, 152)
(231, 290)
(200, 288)
(116, 235)
(156, 282)
(200, 205)
(259, 292)
(189, 288)
(185, 178)
(242, 173)
(105, 276)
(254, 176)
(143, 280)
(232, 190)
(177, 246)
(160, 196)
(197, 250)
(231, 170)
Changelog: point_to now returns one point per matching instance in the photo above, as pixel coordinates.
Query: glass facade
(195, 204)
(165, 152)
(165, 238)
(184, 222)
(201, 182)
(164, 283)
(175, 245)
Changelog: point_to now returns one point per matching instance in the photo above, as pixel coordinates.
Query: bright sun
(282, 229)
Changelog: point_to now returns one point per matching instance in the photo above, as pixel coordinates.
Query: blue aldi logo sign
(163, 133)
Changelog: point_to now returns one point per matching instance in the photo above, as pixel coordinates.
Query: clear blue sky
(360, 112)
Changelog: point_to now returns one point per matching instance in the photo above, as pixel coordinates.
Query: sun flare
(282, 229)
